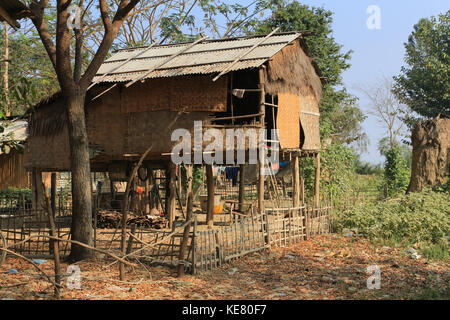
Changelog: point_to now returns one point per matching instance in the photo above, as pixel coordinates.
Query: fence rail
(277, 227)
(206, 249)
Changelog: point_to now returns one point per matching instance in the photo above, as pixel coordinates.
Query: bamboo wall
(126, 121)
(288, 120)
(12, 171)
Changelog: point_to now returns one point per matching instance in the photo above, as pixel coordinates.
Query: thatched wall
(288, 120)
(125, 121)
(291, 73)
(12, 171)
(309, 120)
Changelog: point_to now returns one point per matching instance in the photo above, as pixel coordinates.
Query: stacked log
(108, 219)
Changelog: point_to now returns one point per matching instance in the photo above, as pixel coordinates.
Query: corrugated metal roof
(206, 57)
(15, 130)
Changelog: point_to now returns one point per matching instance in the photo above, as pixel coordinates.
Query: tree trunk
(430, 156)
(5, 73)
(81, 229)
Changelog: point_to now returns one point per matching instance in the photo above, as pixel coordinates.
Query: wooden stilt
(112, 191)
(295, 182)
(262, 110)
(210, 187)
(33, 190)
(53, 193)
(172, 193)
(147, 195)
(317, 181)
(302, 190)
(241, 187)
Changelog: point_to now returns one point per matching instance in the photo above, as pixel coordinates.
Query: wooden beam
(245, 53)
(7, 17)
(121, 65)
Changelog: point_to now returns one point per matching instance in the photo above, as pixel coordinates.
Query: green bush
(15, 193)
(396, 172)
(414, 218)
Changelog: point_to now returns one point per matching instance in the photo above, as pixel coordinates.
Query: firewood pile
(107, 219)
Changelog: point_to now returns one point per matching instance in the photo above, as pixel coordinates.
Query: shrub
(396, 172)
(414, 218)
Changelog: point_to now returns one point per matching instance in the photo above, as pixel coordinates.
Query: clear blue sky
(376, 52)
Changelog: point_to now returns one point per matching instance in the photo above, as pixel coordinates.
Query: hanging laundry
(232, 173)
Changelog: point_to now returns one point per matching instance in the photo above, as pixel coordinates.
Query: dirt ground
(325, 267)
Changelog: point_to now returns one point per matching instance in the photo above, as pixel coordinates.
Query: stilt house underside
(141, 95)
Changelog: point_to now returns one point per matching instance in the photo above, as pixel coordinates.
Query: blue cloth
(232, 173)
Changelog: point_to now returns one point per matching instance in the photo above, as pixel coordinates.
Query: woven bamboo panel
(310, 122)
(288, 120)
(191, 93)
(12, 171)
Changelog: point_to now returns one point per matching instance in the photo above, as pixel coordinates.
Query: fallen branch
(78, 243)
(95, 249)
(148, 244)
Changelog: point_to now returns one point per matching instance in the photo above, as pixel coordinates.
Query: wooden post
(53, 193)
(147, 196)
(112, 191)
(210, 188)
(189, 180)
(55, 247)
(295, 182)
(190, 206)
(172, 194)
(302, 190)
(39, 189)
(33, 190)
(262, 110)
(317, 181)
(241, 187)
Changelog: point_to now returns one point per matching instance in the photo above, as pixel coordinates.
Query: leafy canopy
(340, 115)
(424, 83)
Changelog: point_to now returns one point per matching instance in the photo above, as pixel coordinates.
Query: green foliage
(337, 172)
(10, 193)
(197, 177)
(340, 115)
(365, 168)
(30, 72)
(415, 218)
(437, 251)
(396, 172)
(424, 84)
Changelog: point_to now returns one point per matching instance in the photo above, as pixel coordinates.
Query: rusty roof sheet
(206, 57)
